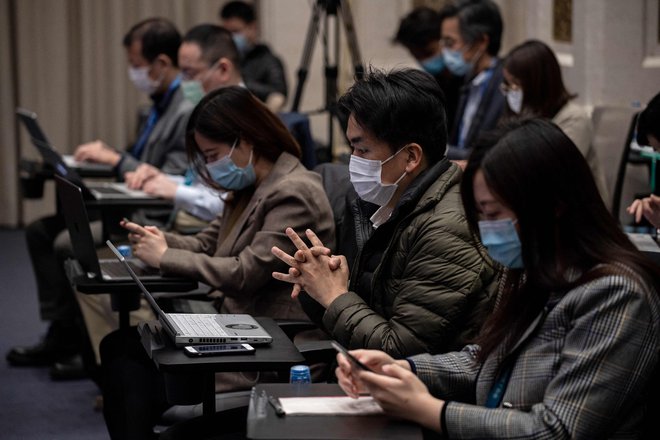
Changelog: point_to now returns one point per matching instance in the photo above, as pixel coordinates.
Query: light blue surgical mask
(241, 43)
(228, 175)
(455, 62)
(192, 90)
(501, 239)
(434, 65)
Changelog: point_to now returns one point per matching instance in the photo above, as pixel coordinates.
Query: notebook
(63, 166)
(77, 222)
(201, 328)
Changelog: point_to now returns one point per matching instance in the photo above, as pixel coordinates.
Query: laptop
(29, 120)
(201, 328)
(77, 222)
(50, 156)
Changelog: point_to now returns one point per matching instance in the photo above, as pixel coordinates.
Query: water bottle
(300, 374)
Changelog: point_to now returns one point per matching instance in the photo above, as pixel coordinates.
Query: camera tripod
(329, 9)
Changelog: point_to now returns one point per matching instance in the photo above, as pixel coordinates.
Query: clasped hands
(315, 270)
(147, 242)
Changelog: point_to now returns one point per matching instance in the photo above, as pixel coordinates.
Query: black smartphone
(352, 359)
(217, 349)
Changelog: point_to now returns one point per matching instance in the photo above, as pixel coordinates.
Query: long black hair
(536, 171)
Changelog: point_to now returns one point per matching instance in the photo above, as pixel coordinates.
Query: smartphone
(217, 349)
(352, 359)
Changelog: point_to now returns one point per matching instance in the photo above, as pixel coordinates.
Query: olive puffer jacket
(431, 284)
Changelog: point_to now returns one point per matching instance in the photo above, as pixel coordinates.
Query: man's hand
(136, 179)
(97, 151)
(648, 207)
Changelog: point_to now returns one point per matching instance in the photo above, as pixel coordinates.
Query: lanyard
(654, 159)
(496, 393)
(137, 149)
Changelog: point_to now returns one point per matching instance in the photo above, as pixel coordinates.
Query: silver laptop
(62, 166)
(201, 328)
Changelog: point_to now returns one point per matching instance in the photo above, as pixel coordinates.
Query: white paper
(334, 405)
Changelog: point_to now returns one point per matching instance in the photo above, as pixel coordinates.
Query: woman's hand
(401, 394)
(346, 372)
(148, 242)
(323, 276)
(97, 151)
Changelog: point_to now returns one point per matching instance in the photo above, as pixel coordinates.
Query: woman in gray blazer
(572, 349)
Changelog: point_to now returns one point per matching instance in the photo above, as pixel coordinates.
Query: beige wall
(73, 73)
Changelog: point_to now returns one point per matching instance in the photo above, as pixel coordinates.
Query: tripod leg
(308, 50)
(351, 39)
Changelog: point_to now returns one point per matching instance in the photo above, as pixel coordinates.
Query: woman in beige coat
(235, 144)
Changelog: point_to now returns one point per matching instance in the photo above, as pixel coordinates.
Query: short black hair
(477, 18)
(419, 28)
(158, 36)
(399, 107)
(238, 9)
(214, 41)
(648, 122)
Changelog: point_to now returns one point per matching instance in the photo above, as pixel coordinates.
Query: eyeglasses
(506, 88)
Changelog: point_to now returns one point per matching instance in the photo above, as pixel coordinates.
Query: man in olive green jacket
(419, 281)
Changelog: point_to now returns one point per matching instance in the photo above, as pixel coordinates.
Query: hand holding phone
(217, 349)
(352, 359)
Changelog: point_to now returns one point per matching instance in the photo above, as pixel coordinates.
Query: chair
(613, 132)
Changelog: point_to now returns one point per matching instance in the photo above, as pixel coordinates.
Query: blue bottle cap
(300, 374)
(125, 250)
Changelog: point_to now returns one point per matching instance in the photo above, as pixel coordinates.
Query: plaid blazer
(584, 372)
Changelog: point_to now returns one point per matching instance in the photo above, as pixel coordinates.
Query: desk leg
(208, 394)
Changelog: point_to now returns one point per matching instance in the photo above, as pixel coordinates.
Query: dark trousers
(133, 389)
(49, 246)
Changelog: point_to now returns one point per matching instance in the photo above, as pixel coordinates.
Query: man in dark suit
(471, 36)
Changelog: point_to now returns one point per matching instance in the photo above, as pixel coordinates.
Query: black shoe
(62, 340)
(39, 355)
(70, 368)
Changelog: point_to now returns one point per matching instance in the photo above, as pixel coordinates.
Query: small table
(280, 355)
(264, 424)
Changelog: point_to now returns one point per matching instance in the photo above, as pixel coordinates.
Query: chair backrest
(612, 133)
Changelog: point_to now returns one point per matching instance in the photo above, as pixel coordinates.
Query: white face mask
(140, 78)
(366, 179)
(515, 100)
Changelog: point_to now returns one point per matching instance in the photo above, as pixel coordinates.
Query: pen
(275, 403)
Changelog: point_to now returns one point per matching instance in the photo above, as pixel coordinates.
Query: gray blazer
(583, 374)
(166, 146)
(240, 267)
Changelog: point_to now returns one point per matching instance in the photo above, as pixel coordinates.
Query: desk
(281, 354)
(125, 295)
(264, 424)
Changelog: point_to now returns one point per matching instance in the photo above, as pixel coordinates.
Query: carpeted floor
(31, 405)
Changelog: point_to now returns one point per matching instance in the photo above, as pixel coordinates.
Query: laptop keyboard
(198, 325)
(107, 190)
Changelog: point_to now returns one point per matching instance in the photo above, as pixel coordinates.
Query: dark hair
(648, 121)
(399, 107)
(419, 28)
(214, 41)
(534, 64)
(158, 36)
(238, 9)
(233, 112)
(536, 171)
(477, 18)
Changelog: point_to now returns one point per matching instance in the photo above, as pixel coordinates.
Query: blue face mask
(501, 239)
(241, 43)
(455, 62)
(434, 65)
(225, 173)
